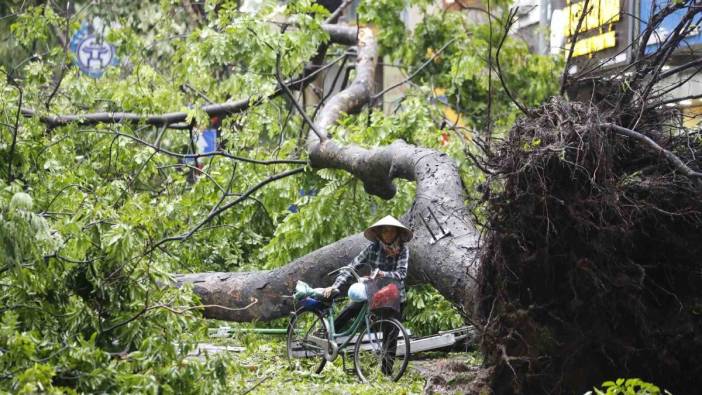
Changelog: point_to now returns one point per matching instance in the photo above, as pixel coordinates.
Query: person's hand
(376, 274)
(330, 292)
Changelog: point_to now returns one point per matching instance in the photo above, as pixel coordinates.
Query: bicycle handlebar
(355, 274)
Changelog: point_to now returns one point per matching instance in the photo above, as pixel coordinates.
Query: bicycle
(312, 341)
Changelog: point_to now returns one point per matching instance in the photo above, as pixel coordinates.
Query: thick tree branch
(359, 92)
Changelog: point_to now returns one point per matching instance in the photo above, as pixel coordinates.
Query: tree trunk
(448, 264)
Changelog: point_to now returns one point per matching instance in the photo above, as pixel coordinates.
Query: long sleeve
(360, 259)
(400, 271)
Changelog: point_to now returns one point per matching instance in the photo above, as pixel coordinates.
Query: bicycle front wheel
(382, 352)
(308, 341)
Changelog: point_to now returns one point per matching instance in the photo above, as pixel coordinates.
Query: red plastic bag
(383, 295)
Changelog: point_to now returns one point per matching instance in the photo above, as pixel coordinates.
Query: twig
(15, 130)
(331, 90)
(266, 377)
(63, 60)
(181, 309)
(186, 87)
(414, 73)
(60, 192)
(488, 121)
(564, 77)
(178, 310)
(196, 156)
(241, 198)
(671, 157)
(297, 105)
(510, 21)
(682, 67)
(191, 167)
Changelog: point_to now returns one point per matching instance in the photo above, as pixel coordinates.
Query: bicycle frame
(354, 330)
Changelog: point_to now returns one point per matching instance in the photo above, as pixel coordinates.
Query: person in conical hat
(388, 256)
(387, 253)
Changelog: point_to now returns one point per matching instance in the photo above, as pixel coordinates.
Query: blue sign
(93, 55)
(668, 24)
(206, 142)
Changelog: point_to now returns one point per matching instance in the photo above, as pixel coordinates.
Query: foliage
(628, 387)
(265, 361)
(86, 295)
(427, 312)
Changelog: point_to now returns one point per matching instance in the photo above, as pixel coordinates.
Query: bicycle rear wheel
(382, 352)
(308, 341)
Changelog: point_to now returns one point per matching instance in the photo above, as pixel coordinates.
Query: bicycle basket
(383, 293)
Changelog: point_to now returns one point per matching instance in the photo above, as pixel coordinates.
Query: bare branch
(564, 77)
(196, 156)
(671, 157)
(229, 205)
(414, 73)
(510, 21)
(297, 105)
(682, 67)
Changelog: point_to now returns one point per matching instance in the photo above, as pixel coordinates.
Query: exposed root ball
(592, 269)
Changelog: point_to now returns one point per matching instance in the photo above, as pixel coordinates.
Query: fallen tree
(449, 264)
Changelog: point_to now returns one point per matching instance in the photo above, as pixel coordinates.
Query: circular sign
(94, 56)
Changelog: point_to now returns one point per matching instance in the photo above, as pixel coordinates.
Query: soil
(448, 374)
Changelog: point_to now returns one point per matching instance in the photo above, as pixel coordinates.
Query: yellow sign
(602, 12)
(449, 113)
(595, 43)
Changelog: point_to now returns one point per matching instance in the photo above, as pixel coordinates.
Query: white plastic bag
(357, 292)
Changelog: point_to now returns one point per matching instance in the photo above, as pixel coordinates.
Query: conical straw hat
(404, 232)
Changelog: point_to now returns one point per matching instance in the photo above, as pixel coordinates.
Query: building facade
(603, 42)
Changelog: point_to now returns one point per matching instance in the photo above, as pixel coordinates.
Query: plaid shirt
(374, 255)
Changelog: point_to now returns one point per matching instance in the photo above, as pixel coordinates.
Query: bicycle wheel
(308, 340)
(382, 352)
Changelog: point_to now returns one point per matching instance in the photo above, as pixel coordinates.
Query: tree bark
(448, 263)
